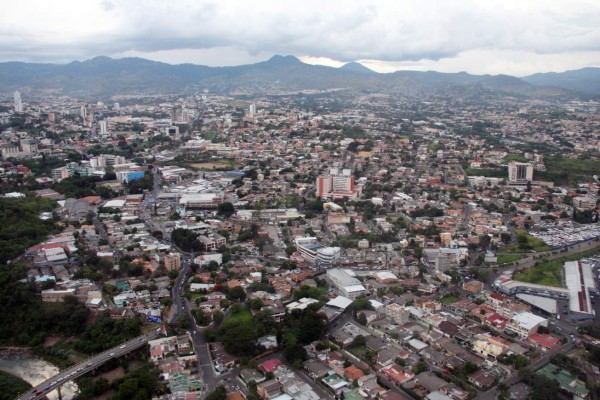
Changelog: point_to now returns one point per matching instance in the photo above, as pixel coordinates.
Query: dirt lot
(210, 165)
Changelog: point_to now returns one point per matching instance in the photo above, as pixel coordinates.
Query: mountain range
(104, 76)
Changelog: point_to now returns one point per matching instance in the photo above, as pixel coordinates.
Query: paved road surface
(41, 390)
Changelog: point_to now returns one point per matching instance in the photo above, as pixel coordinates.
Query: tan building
(172, 261)
(55, 296)
(473, 286)
(397, 313)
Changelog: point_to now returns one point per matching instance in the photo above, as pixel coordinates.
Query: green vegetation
(544, 273)
(564, 171)
(11, 386)
(450, 298)
(506, 258)
(106, 333)
(25, 320)
(318, 293)
(82, 186)
(487, 172)
(20, 225)
(139, 185)
(525, 242)
(141, 384)
(185, 239)
(242, 316)
(514, 157)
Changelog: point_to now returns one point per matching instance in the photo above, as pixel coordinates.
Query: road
(180, 304)
(82, 368)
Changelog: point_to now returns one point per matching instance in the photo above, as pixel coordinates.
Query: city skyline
(515, 38)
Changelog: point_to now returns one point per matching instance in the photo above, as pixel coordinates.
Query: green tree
(226, 209)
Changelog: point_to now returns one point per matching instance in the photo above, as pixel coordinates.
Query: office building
(337, 185)
(520, 172)
(347, 285)
(18, 102)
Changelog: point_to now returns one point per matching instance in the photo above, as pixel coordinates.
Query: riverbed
(35, 371)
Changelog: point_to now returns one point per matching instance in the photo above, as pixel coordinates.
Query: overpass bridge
(40, 391)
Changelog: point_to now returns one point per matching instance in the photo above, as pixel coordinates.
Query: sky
(518, 37)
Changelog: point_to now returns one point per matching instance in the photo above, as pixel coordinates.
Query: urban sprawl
(311, 245)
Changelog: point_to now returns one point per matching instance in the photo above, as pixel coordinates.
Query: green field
(449, 298)
(545, 273)
(11, 386)
(569, 170)
(358, 351)
(533, 243)
(243, 315)
(506, 258)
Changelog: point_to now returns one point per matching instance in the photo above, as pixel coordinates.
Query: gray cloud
(388, 31)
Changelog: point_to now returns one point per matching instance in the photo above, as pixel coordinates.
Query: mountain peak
(356, 67)
(278, 59)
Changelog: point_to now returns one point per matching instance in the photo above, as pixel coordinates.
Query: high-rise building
(83, 112)
(520, 172)
(336, 185)
(103, 125)
(172, 261)
(18, 102)
(252, 110)
(116, 106)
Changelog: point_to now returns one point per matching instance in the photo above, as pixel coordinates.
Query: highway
(82, 368)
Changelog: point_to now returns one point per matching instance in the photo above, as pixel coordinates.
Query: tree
(226, 209)
(185, 239)
(255, 304)
(361, 303)
(312, 325)
(419, 366)
(220, 393)
(237, 293)
(361, 318)
(218, 316)
(359, 341)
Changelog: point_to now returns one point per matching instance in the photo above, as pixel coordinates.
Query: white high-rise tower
(18, 102)
(252, 110)
(103, 127)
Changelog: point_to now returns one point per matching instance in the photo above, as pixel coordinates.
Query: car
(122, 346)
(112, 354)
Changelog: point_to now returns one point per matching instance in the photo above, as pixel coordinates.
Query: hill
(106, 77)
(585, 80)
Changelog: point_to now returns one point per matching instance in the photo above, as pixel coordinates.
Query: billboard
(132, 176)
(153, 318)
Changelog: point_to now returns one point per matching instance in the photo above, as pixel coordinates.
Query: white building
(397, 313)
(347, 285)
(579, 280)
(103, 125)
(526, 323)
(520, 172)
(18, 102)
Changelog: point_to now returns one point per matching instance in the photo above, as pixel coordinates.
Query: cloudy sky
(478, 36)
